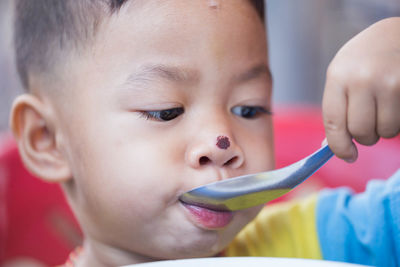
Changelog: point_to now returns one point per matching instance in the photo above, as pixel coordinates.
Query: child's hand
(362, 91)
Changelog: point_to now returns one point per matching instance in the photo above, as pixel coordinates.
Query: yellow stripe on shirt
(280, 230)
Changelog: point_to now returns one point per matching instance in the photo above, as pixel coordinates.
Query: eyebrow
(151, 72)
(253, 73)
(171, 73)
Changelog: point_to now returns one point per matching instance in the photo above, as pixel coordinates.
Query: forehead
(166, 25)
(205, 40)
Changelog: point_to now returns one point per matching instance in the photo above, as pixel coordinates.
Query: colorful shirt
(334, 225)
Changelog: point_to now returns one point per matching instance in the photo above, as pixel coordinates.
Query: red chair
(36, 222)
(299, 132)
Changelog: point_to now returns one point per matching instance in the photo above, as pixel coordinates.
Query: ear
(35, 134)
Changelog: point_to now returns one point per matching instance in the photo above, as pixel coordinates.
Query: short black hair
(45, 28)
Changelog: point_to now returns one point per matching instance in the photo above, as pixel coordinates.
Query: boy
(131, 103)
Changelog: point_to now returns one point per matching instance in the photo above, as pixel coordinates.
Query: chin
(199, 252)
(203, 246)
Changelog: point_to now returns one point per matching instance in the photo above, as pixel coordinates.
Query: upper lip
(219, 176)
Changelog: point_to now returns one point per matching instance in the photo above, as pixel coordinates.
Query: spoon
(254, 189)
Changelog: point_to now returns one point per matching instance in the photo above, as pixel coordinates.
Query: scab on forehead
(214, 4)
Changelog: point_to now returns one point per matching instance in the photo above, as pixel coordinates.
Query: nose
(218, 150)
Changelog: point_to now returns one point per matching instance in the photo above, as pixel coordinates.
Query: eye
(250, 112)
(163, 115)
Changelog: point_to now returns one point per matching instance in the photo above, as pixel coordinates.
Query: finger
(334, 108)
(361, 116)
(388, 117)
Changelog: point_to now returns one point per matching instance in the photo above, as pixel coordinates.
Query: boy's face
(207, 69)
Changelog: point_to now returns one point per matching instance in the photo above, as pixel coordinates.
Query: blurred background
(9, 82)
(303, 36)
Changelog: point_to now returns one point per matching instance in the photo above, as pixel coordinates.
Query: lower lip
(209, 218)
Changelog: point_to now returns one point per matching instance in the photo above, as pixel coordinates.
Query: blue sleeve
(361, 228)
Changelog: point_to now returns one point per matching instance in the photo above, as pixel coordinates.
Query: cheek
(259, 149)
(124, 191)
(263, 155)
(115, 171)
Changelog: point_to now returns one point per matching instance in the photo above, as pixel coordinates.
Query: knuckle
(362, 78)
(331, 125)
(335, 72)
(391, 83)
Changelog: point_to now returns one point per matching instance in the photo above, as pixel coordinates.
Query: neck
(98, 254)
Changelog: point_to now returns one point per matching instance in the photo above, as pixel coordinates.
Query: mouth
(207, 218)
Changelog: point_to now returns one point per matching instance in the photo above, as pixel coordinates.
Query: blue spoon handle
(255, 189)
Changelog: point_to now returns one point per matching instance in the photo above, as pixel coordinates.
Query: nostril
(204, 160)
(231, 161)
